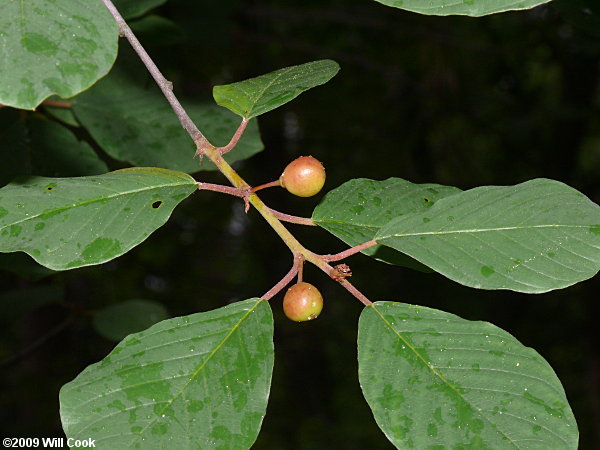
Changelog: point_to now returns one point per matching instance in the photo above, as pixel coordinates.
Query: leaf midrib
(438, 375)
(195, 374)
(267, 86)
(481, 230)
(95, 200)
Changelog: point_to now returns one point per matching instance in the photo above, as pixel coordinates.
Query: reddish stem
(351, 251)
(359, 295)
(301, 268)
(275, 183)
(223, 189)
(57, 104)
(236, 137)
(292, 219)
(298, 261)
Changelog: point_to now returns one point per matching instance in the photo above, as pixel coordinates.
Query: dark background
(450, 100)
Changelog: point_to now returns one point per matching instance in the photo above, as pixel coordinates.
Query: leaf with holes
(462, 7)
(65, 223)
(250, 98)
(533, 237)
(53, 48)
(435, 380)
(356, 210)
(199, 381)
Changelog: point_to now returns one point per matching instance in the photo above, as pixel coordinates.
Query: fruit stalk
(204, 147)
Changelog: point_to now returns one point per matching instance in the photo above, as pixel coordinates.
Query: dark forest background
(450, 100)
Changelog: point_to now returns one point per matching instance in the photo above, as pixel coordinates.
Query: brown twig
(298, 262)
(235, 138)
(351, 251)
(165, 86)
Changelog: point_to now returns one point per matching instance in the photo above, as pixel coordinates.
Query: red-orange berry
(304, 176)
(302, 302)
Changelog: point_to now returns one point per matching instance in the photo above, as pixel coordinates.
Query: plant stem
(57, 104)
(349, 252)
(204, 147)
(293, 219)
(275, 183)
(236, 137)
(165, 86)
(301, 269)
(220, 188)
(359, 295)
(298, 263)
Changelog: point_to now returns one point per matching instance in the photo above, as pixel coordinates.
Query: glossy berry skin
(304, 176)
(302, 302)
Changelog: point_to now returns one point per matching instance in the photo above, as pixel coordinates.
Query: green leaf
(65, 223)
(462, 7)
(255, 96)
(53, 49)
(355, 211)
(132, 121)
(533, 237)
(435, 380)
(65, 115)
(115, 322)
(42, 147)
(199, 381)
(135, 8)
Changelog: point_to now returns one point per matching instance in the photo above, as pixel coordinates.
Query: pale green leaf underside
(355, 211)
(435, 380)
(462, 7)
(199, 381)
(132, 121)
(49, 47)
(65, 223)
(533, 237)
(255, 96)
